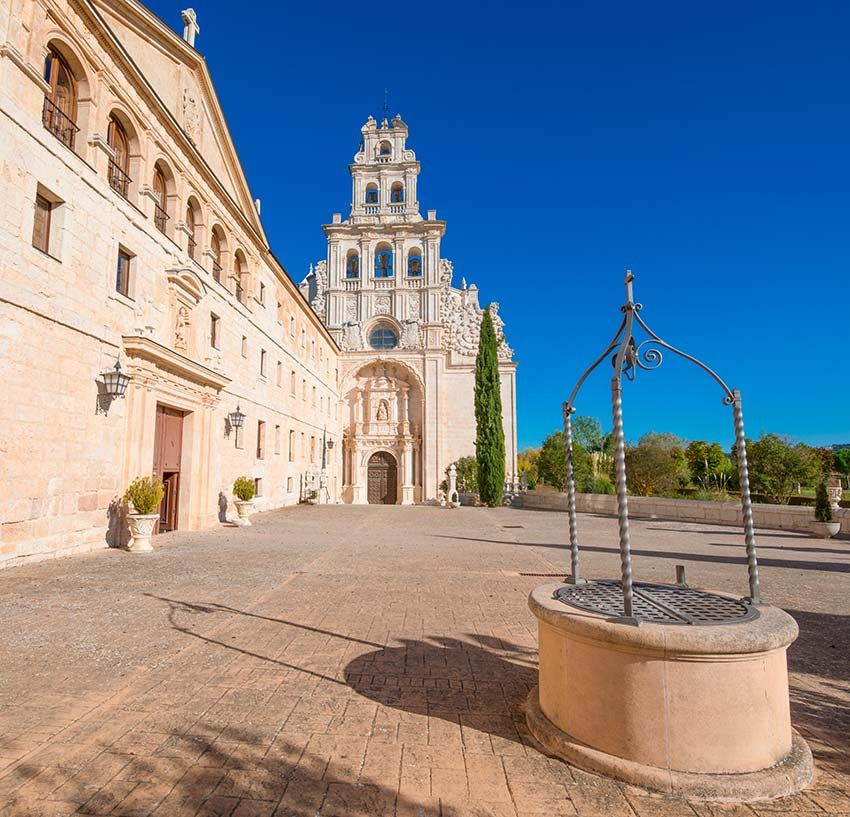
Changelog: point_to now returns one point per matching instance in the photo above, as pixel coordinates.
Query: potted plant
(143, 497)
(823, 525)
(243, 490)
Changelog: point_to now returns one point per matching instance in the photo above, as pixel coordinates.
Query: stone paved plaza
(358, 661)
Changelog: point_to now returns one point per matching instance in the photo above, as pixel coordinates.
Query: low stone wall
(780, 517)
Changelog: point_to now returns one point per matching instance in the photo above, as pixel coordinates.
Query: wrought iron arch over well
(628, 358)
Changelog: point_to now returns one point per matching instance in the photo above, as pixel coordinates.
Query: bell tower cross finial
(386, 102)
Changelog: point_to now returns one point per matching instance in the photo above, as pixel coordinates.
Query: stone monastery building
(409, 338)
(129, 238)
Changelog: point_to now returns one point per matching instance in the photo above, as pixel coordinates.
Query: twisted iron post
(571, 495)
(746, 500)
(622, 495)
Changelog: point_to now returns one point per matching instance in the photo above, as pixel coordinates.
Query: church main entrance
(382, 479)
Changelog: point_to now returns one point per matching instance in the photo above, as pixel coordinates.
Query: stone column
(407, 486)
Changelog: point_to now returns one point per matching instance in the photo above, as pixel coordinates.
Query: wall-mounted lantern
(236, 418)
(112, 384)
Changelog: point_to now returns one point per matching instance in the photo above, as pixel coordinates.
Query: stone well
(696, 711)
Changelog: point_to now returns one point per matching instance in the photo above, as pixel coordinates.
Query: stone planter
(693, 711)
(244, 509)
(826, 530)
(141, 530)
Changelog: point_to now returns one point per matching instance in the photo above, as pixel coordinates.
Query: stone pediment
(167, 359)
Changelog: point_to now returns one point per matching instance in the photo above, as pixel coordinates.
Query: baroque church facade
(408, 336)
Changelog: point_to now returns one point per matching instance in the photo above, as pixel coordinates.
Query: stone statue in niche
(383, 413)
(181, 330)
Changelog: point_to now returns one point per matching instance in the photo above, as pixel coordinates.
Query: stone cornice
(408, 228)
(172, 361)
(8, 49)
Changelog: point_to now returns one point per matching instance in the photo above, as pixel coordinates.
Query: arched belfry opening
(383, 417)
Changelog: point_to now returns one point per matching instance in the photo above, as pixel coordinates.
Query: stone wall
(780, 517)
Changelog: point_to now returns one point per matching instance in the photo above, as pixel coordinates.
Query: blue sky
(704, 146)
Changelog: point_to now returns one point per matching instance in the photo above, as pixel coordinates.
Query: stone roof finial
(190, 26)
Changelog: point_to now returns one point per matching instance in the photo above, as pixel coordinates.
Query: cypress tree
(490, 438)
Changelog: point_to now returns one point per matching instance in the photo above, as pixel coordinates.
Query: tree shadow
(211, 766)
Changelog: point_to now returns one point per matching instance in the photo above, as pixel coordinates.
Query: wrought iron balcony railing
(160, 217)
(119, 181)
(58, 123)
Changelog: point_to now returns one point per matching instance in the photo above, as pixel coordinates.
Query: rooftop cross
(190, 25)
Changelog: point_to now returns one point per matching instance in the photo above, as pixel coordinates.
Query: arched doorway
(382, 479)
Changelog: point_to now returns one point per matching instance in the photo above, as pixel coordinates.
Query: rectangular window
(314, 397)
(292, 446)
(258, 486)
(304, 390)
(263, 363)
(262, 294)
(244, 346)
(261, 439)
(123, 272)
(279, 373)
(312, 449)
(215, 329)
(292, 325)
(302, 450)
(292, 382)
(277, 439)
(280, 312)
(240, 439)
(289, 485)
(41, 224)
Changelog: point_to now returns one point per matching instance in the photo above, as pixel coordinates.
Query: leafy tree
(490, 438)
(656, 466)
(467, 474)
(777, 467)
(708, 464)
(552, 464)
(526, 463)
(587, 432)
(841, 459)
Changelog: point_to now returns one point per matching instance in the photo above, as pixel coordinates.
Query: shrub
(823, 510)
(144, 495)
(602, 485)
(243, 489)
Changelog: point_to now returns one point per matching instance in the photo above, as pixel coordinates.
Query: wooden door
(382, 479)
(168, 448)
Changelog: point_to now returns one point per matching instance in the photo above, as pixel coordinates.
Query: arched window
(116, 137)
(397, 193)
(352, 265)
(215, 248)
(414, 264)
(160, 217)
(371, 193)
(383, 337)
(385, 149)
(191, 243)
(239, 273)
(383, 262)
(60, 105)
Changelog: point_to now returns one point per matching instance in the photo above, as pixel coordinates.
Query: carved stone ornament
(352, 337)
(319, 302)
(191, 115)
(413, 308)
(461, 317)
(446, 272)
(181, 329)
(350, 309)
(382, 305)
(411, 335)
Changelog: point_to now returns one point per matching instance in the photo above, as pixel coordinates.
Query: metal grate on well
(658, 603)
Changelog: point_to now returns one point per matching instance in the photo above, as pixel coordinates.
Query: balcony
(383, 283)
(397, 208)
(216, 271)
(160, 217)
(414, 282)
(60, 125)
(351, 284)
(372, 209)
(119, 181)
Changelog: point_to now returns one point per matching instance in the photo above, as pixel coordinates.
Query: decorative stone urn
(834, 492)
(244, 509)
(695, 711)
(141, 530)
(826, 530)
